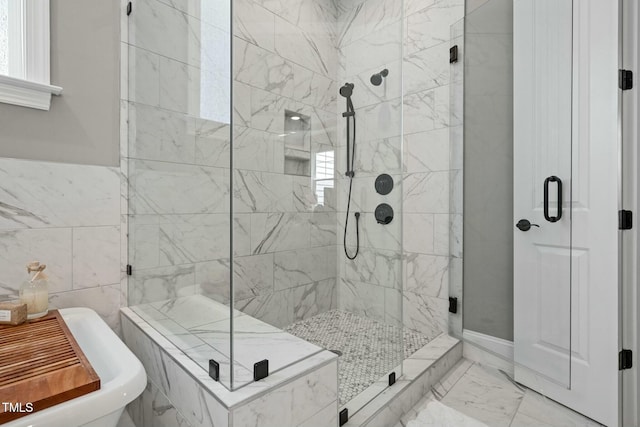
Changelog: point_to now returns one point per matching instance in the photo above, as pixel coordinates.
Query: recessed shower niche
(297, 144)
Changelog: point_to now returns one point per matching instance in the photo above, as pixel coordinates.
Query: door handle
(525, 225)
(549, 218)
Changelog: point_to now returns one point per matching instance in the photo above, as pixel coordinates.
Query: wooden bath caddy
(42, 364)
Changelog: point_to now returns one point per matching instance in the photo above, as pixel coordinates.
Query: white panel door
(566, 270)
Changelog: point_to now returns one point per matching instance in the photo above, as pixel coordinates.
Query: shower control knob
(525, 225)
(384, 184)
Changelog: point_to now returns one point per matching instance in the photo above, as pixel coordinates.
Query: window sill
(27, 93)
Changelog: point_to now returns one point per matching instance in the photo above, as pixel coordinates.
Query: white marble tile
(313, 50)
(426, 69)
(212, 143)
(327, 416)
(256, 150)
(159, 284)
(273, 232)
(427, 151)
(374, 50)
(42, 195)
(294, 403)
(275, 308)
(163, 240)
(323, 229)
(254, 24)
(96, 256)
(315, 298)
(179, 86)
(104, 300)
(376, 266)
(193, 189)
(419, 112)
(381, 13)
(427, 275)
(351, 24)
(49, 246)
(196, 404)
(144, 76)
(545, 411)
(262, 192)
(379, 155)
(418, 233)
(148, 29)
(315, 89)
(426, 192)
(156, 410)
(261, 68)
(425, 314)
(362, 298)
(159, 134)
(380, 121)
(485, 396)
(431, 25)
(303, 266)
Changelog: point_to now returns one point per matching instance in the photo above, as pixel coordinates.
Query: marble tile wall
(68, 217)
(369, 40)
(414, 250)
(179, 152)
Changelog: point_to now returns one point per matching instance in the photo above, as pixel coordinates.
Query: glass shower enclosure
(260, 227)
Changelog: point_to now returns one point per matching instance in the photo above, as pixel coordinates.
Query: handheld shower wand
(350, 115)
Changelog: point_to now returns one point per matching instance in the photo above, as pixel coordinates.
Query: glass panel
(517, 105)
(178, 169)
(291, 195)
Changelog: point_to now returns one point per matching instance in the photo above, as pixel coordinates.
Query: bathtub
(121, 375)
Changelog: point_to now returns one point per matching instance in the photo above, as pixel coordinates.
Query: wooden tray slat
(41, 363)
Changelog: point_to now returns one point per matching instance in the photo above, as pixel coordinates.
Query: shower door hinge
(261, 370)
(625, 79)
(343, 416)
(625, 359)
(453, 54)
(625, 220)
(129, 8)
(453, 305)
(392, 378)
(129, 270)
(214, 370)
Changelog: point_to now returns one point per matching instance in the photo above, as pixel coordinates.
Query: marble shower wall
(414, 251)
(370, 40)
(179, 155)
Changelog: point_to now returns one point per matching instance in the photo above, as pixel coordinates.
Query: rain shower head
(346, 90)
(376, 79)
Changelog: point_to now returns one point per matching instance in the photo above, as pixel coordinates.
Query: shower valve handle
(525, 225)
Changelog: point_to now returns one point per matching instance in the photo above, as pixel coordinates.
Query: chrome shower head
(376, 79)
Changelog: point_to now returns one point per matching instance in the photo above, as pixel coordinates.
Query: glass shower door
(178, 175)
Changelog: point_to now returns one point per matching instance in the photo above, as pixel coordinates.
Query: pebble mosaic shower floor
(369, 348)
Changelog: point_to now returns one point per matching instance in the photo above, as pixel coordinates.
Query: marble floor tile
(485, 396)
(545, 411)
(488, 396)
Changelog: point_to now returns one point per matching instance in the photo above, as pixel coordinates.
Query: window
(24, 54)
(323, 174)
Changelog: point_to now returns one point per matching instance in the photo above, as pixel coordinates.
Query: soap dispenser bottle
(35, 292)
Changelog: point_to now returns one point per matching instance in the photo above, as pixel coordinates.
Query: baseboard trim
(497, 346)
